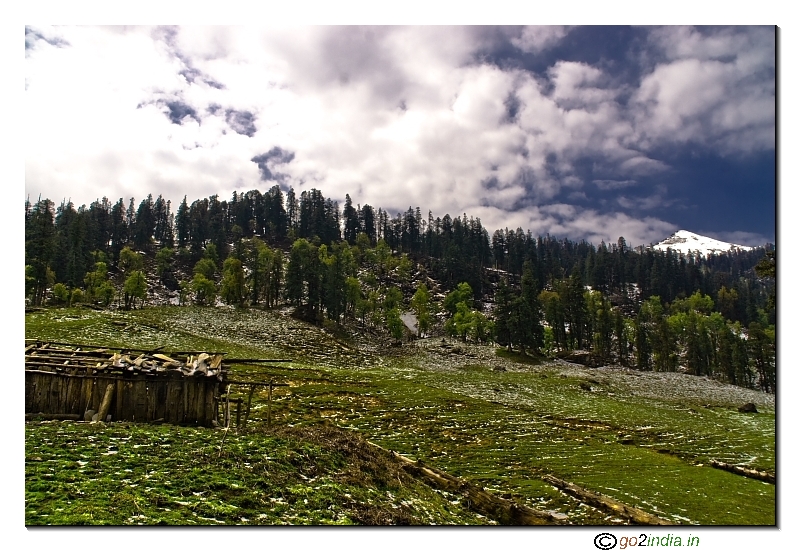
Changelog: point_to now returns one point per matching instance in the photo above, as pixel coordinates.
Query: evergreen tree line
(533, 294)
(453, 250)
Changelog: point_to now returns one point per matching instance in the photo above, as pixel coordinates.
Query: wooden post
(106, 403)
(249, 400)
(228, 407)
(87, 386)
(238, 413)
(269, 406)
(185, 400)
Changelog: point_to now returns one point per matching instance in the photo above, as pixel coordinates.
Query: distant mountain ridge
(685, 241)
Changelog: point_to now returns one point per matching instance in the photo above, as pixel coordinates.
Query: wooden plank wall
(180, 400)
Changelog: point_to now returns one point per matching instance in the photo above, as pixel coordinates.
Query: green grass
(517, 357)
(127, 474)
(500, 430)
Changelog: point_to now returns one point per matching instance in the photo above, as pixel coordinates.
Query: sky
(585, 132)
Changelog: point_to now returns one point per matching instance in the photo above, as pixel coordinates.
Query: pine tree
(333, 282)
(575, 310)
(767, 268)
(130, 217)
(554, 315)
(530, 330)
(145, 223)
(183, 224)
(621, 338)
(602, 327)
(761, 344)
(39, 248)
(644, 325)
(119, 229)
(502, 315)
(303, 277)
(292, 210)
(351, 222)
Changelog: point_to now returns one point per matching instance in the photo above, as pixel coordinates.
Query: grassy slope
(645, 440)
(127, 474)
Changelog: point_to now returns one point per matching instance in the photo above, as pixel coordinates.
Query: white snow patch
(685, 241)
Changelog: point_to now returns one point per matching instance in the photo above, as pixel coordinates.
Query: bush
(60, 293)
(77, 296)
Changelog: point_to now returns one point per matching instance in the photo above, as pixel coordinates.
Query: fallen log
(234, 360)
(606, 503)
(504, 511)
(746, 472)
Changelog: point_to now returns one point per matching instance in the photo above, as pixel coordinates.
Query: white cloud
(715, 89)
(566, 220)
(394, 116)
(579, 84)
(537, 38)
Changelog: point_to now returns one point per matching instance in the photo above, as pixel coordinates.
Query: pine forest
(363, 268)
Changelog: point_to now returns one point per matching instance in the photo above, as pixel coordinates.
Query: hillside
(497, 421)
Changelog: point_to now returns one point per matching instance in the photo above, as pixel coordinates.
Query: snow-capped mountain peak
(685, 241)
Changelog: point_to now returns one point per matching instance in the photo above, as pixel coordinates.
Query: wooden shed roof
(125, 362)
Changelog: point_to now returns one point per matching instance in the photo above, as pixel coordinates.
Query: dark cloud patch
(242, 122)
(608, 185)
(512, 105)
(213, 108)
(552, 166)
(493, 46)
(268, 161)
(490, 183)
(179, 110)
(32, 37)
(175, 109)
(193, 75)
(493, 190)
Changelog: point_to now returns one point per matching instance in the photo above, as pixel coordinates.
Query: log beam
(746, 472)
(604, 502)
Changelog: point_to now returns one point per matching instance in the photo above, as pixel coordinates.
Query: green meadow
(493, 419)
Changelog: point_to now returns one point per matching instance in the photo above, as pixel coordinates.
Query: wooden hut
(95, 383)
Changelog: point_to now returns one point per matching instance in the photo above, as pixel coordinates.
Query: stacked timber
(54, 357)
